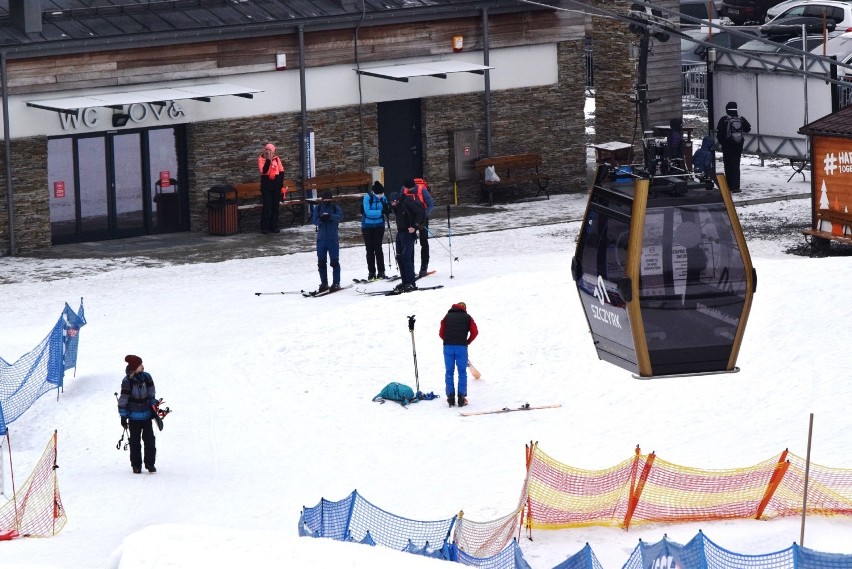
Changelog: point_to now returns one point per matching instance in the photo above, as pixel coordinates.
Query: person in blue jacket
(327, 215)
(374, 207)
(138, 394)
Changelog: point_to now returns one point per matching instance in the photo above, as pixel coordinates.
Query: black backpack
(734, 132)
(415, 208)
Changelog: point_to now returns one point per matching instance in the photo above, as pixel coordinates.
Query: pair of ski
(326, 292)
(524, 407)
(368, 281)
(394, 292)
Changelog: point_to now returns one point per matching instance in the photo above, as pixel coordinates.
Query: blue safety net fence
(701, 553)
(357, 520)
(40, 370)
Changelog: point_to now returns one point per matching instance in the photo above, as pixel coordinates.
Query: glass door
(126, 155)
(91, 168)
(114, 185)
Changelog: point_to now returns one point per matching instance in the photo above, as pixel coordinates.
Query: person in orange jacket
(271, 182)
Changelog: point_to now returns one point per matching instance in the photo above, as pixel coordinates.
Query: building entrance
(117, 184)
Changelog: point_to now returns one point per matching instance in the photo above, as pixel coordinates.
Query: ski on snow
(524, 407)
(397, 277)
(394, 292)
(326, 292)
(368, 281)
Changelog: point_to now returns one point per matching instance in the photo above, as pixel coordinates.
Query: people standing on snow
(418, 188)
(730, 132)
(135, 402)
(374, 207)
(410, 216)
(327, 215)
(457, 331)
(271, 183)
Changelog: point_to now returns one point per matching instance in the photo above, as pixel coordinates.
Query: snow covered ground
(272, 396)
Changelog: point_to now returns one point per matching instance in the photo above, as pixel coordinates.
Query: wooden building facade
(118, 120)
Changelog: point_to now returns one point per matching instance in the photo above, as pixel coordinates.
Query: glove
(124, 422)
(325, 216)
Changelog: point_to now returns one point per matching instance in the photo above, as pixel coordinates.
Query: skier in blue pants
(326, 215)
(457, 331)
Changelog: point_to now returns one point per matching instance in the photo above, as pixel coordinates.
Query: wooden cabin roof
(834, 124)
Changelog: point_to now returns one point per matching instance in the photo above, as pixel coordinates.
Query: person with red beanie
(138, 394)
(457, 331)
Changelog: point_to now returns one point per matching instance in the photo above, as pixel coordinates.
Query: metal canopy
(119, 99)
(439, 69)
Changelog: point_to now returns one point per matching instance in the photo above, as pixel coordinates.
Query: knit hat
(409, 183)
(269, 146)
(133, 363)
(378, 188)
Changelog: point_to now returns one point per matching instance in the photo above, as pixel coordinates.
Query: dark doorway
(400, 143)
(117, 184)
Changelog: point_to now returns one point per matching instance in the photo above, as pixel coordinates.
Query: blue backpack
(374, 209)
(398, 392)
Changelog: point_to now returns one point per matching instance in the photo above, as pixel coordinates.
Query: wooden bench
(346, 185)
(836, 218)
(248, 198)
(516, 171)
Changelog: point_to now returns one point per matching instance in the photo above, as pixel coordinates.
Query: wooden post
(807, 472)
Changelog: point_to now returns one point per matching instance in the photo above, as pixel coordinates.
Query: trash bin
(222, 215)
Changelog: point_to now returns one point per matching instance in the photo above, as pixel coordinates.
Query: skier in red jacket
(457, 331)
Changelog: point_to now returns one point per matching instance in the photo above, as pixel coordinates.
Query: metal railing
(694, 86)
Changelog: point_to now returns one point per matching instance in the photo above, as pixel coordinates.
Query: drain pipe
(303, 142)
(13, 247)
(485, 61)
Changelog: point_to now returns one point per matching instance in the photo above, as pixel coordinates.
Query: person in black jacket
(138, 394)
(457, 331)
(410, 216)
(732, 144)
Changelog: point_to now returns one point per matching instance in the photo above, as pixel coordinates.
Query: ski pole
(121, 440)
(450, 240)
(456, 259)
(279, 292)
(390, 244)
(414, 351)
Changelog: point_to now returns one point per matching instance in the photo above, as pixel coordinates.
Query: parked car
(789, 26)
(840, 47)
(755, 46)
(694, 52)
(837, 11)
(698, 9)
(773, 11)
(744, 11)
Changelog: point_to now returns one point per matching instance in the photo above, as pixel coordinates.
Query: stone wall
(31, 198)
(226, 151)
(542, 120)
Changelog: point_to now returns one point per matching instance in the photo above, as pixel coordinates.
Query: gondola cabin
(663, 273)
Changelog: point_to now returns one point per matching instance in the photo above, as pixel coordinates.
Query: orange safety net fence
(36, 509)
(646, 488)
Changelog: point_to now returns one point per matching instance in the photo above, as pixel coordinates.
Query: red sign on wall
(59, 189)
(165, 179)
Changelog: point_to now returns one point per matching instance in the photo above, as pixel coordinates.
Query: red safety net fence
(35, 509)
(646, 488)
